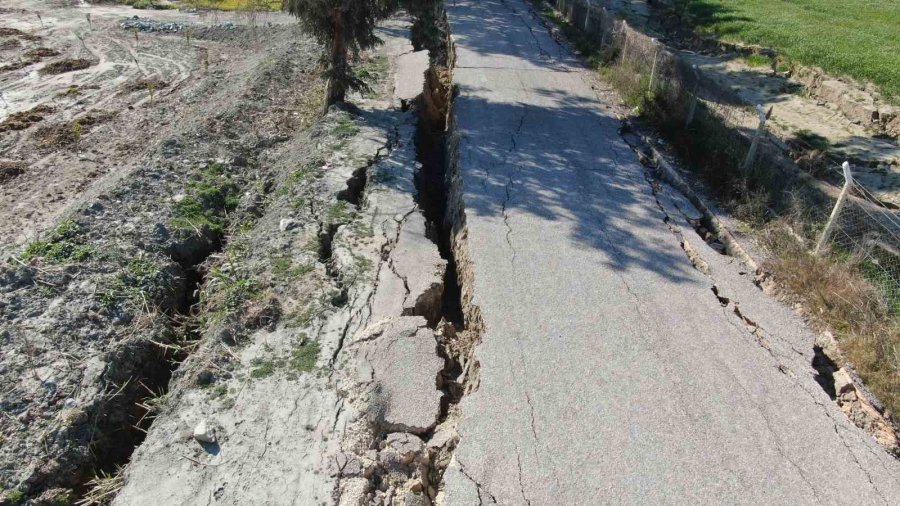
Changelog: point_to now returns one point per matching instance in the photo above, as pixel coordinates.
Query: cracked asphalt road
(611, 372)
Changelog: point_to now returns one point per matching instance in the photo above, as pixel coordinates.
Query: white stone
(287, 224)
(204, 433)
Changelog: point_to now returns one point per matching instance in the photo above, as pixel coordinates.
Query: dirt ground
(122, 178)
(208, 290)
(110, 98)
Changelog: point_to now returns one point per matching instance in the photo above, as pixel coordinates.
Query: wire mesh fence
(729, 142)
(864, 233)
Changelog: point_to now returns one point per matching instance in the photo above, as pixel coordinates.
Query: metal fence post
(754, 146)
(832, 220)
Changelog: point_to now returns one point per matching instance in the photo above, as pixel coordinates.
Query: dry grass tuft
(10, 170)
(837, 296)
(24, 119)
(66, 134)
(40, 52)
(145, 84)
(67, 65)
(103, 488)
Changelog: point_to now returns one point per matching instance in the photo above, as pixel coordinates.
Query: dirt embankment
(122, 197)
(201, 269)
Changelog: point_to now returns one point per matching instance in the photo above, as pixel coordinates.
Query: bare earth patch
(67, 65)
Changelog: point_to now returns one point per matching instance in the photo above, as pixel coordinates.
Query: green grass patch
(135, 283)
(345, 128)
(857, 38)
(813, 140)
(757, 60)
(262, 368)
(65, 244)
(210, 196)
(339, 212)
(226, 292)
(304, 357)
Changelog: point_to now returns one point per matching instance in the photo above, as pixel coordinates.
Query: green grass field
(857, 38)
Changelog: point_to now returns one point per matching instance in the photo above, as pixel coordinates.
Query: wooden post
(829, 227)
(754, 146)
(624, 42)
(653, 68)
(694, 97)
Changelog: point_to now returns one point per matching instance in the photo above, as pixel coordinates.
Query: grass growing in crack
(283, 268)
(226, 292)
(210, 196)
(103, 488)
(65, 244)
(339, 213)
(133, 285)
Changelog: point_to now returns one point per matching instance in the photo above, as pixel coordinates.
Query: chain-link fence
(730, 144)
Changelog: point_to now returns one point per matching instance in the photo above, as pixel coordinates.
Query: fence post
(829, 227)
(694, 97)
(624, 42)
(754, 146)
(653, 68)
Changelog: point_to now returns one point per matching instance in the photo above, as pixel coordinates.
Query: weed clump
(211, 195)
(304, 357)
(838, 294)
(58, 135)
(136, 284)
(65, 244)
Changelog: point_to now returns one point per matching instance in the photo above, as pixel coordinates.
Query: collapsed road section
(344, 391)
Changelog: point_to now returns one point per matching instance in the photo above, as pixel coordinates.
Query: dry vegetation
(67, 65)
(835, 295)
(24, 119)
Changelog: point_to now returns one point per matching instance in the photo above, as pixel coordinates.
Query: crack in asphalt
(521, 483)
(757, 332)
(479, 488)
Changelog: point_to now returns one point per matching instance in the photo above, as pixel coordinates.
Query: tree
(343, 27)
(429, 29)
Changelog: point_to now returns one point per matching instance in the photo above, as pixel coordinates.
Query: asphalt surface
(610, 371)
